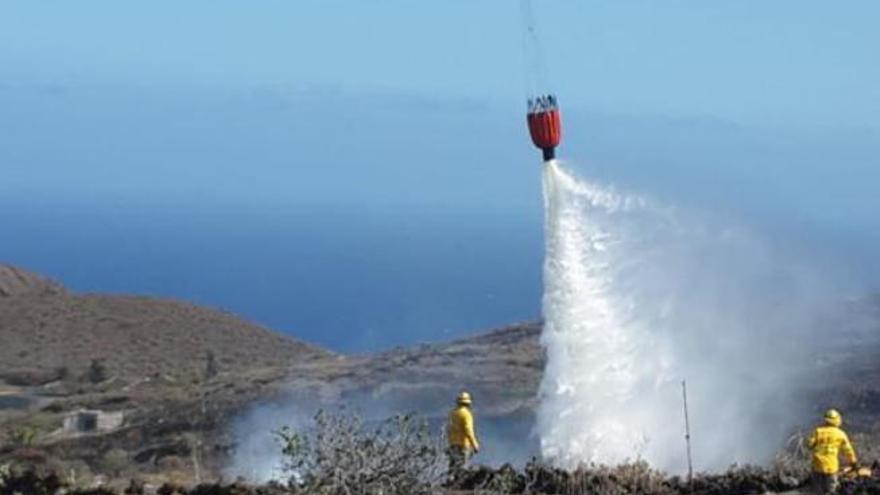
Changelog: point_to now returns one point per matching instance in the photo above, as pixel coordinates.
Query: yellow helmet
(833, 418)
(464, 399)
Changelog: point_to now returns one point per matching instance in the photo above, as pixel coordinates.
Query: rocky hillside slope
(501, 368)
(49, 333)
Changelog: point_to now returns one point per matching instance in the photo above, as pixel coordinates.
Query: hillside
(50, 333)
(501, 368)
(18, 282)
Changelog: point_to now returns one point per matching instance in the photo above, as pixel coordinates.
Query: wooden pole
(687, 434)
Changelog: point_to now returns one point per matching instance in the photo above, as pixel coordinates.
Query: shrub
(97, 371)
(5, 473)
(211, 367)
(72, 472)
(62, 372)
(28, 482)
(114, 462)
(22, 436)
(342, 456)
(793, 460)
(170, 463)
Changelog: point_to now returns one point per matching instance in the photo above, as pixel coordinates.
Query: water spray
(639, 295)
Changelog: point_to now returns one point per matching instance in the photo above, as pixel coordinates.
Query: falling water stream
(638, 297)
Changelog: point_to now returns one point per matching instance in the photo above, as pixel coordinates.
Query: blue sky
(784, 62)
(191, 90)
(125, 125)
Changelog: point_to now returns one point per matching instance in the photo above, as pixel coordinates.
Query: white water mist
(637, 298)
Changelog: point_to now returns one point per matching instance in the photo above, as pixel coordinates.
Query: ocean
(349, 278)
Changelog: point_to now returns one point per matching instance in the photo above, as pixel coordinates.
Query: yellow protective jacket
(461, 429)
(827, 443)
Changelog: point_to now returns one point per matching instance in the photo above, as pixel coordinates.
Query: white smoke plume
(257, 455)
(638, 297)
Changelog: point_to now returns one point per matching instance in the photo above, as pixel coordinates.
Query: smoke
(257, 456)
(640, 296)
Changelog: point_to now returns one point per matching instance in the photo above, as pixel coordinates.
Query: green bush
(22, 436)
(114, 462)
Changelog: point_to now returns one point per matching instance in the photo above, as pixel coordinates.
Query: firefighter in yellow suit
(460, 431)
(827, 443)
